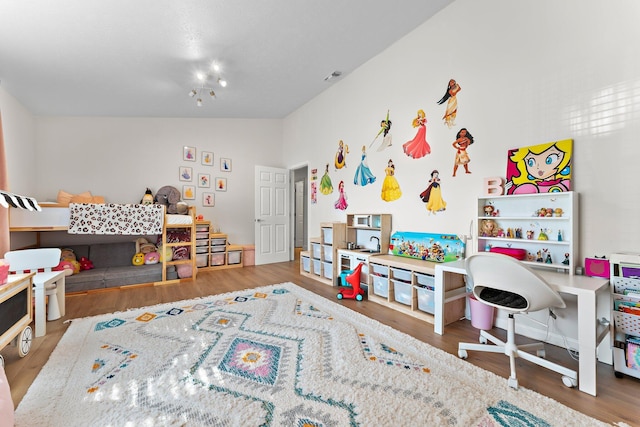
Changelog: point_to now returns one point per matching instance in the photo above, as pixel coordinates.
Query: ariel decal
(418, 147)
(450, 96)
(341, 155)
(543, 168)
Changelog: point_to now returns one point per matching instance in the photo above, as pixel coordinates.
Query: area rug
(273, 356)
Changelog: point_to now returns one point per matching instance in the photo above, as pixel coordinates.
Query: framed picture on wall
(186, 174)
(189, 154)
(207, 158)
(188, 192)
(204, 180)
(221, 184)
(208, 199)
(225, 164)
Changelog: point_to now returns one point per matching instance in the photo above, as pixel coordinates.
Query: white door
(272, 220)
(299, 215)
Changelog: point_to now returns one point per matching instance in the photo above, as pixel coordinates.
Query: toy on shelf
(355, 291)
(488, 228)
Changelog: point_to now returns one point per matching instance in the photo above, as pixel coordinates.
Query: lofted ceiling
(139, 58)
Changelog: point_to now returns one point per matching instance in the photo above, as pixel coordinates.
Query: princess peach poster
(543, 168)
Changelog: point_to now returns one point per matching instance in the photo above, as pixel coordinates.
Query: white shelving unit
(520, 212)
(624, 275)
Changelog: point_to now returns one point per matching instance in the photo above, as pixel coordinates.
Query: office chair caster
(482, 340)
(569, 382)
(462, 354)
(541, 354)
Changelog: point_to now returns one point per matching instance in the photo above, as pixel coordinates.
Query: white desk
(587, 290)
(41, 283)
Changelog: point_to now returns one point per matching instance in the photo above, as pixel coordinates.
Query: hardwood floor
(616, 401)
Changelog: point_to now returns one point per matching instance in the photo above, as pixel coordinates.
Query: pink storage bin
(4, 272)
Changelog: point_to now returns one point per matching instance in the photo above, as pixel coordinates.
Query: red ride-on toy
(355, 291)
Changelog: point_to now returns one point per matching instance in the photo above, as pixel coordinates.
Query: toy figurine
(543, 235)
(558, 212)
(559, 235)
(529, 234)
(488, 210)
(488, 228)
(518, 233)
(548, 260)
(566, 259)
(509, 233)
(539, 257)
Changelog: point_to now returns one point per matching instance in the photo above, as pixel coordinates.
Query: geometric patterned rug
(272, 356)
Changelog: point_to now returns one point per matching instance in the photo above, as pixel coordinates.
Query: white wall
(18, 126)
(530, 72)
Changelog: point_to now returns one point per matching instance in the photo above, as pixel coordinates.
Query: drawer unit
(201, 260)
(425, 280)
(317, 267)
(426, 300)
(316, 250)
(400, 274)
(217, 259)
(327, 270)
(402, 291)
(234, 257)
(380, 286)
(305, 263)
(327, 252)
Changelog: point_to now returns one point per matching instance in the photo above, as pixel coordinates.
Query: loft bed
(113, 219)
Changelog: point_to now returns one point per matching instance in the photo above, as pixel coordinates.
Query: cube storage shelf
(219, 254)
(408, 285)
(318, 262)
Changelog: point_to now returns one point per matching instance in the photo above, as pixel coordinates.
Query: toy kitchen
(367, 235)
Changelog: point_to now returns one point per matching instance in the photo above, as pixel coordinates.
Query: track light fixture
(204, 87)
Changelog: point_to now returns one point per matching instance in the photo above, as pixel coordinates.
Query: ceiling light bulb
(199, 102)
(192, 93)
(215, 67)
(212, 93)
(222, 82)
(200, 76)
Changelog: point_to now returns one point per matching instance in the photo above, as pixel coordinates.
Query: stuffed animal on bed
(168, 196)
(147, 199)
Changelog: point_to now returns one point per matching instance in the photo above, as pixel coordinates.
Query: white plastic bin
(316, 250)
(234, 257)
(202, 249)
(327, 270)
(217, 259)
(201, 260)
(306, 263)
(379, 270)
(218, 248)
(425, 280)
(327, 235)
(219, 241)
(400, 274)
(317, 267)
(402, 292)
(426, 301)
(328, 252)
(381, 286)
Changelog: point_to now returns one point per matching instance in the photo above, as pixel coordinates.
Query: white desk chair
(505, 283)
(48, 282)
